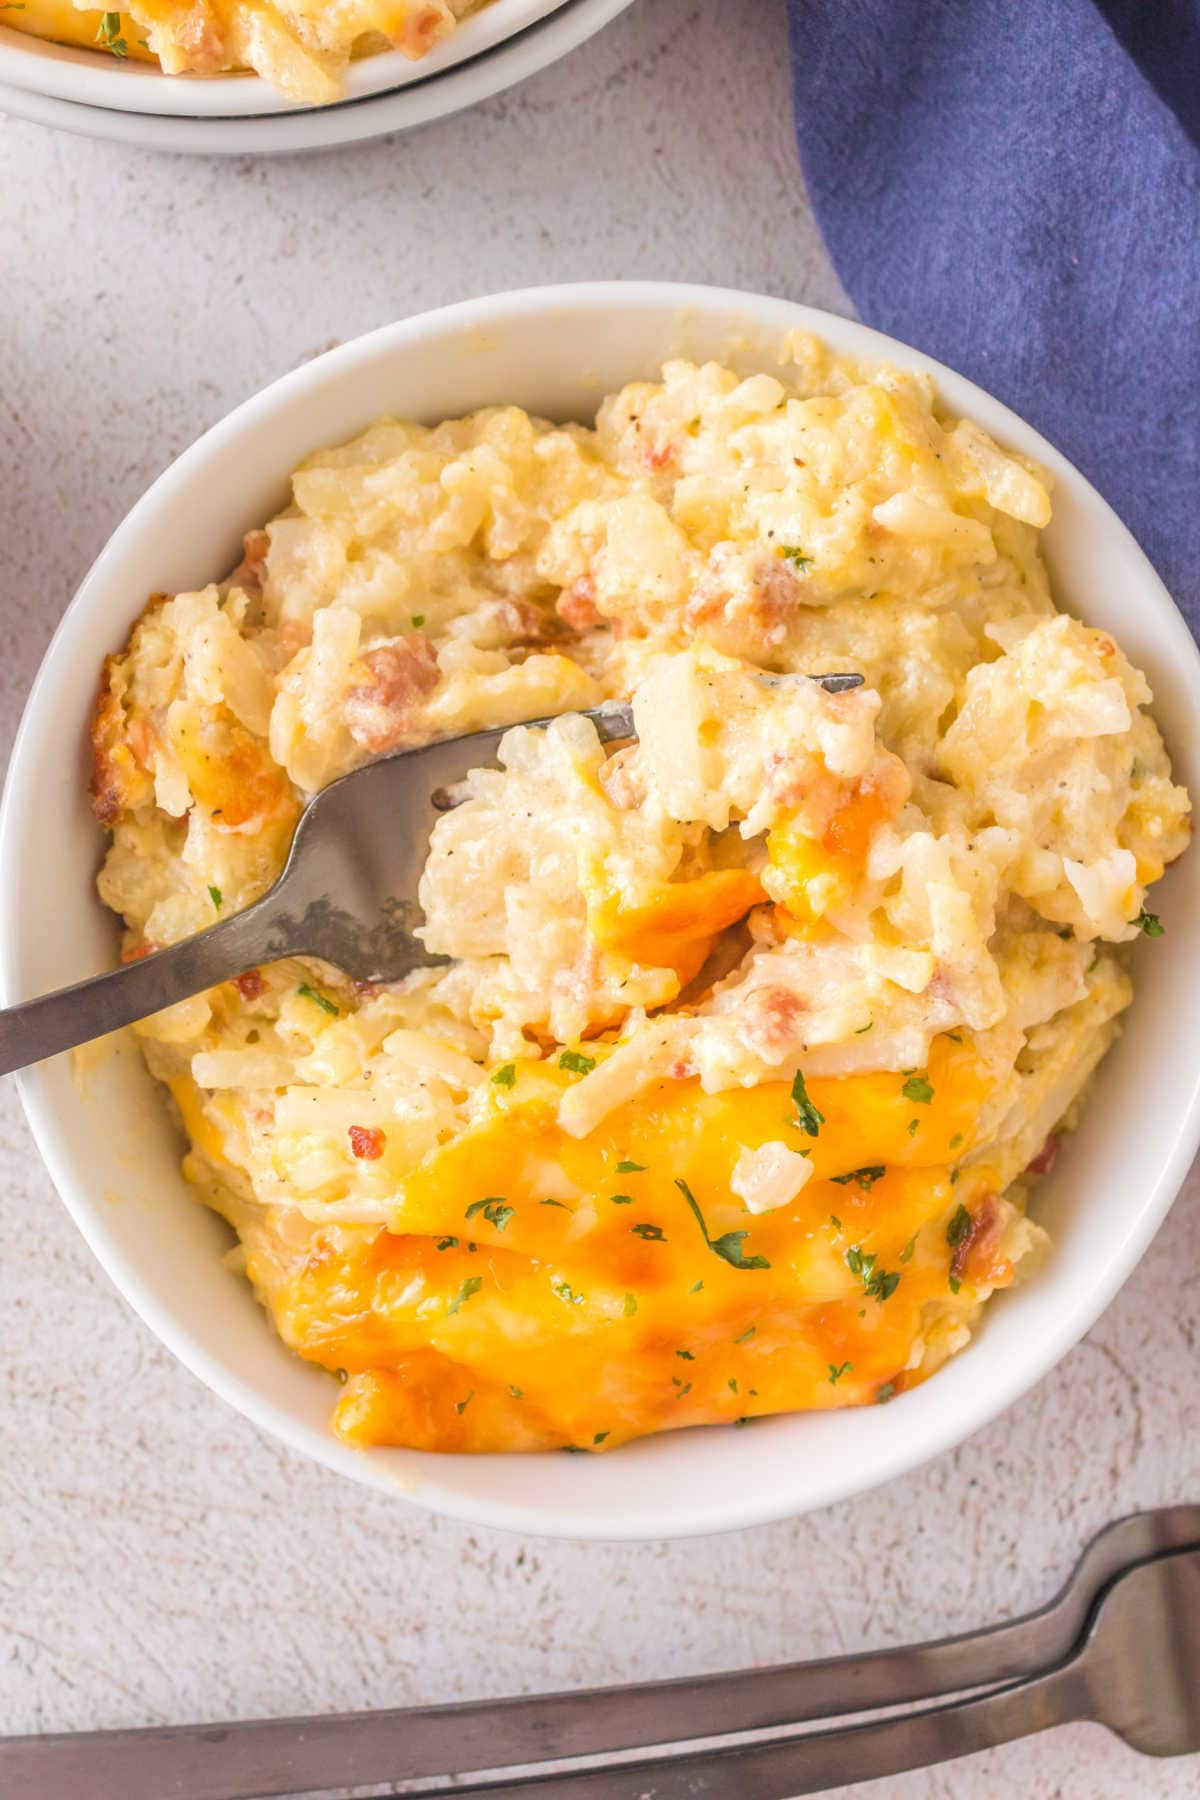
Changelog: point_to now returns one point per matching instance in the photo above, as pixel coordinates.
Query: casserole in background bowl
(107, 1138)
(94, 77)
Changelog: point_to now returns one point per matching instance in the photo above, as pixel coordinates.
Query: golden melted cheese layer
(494, 1312)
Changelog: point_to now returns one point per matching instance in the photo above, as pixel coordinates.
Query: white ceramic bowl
(96, 78)
(182, 113)
(114, 1156)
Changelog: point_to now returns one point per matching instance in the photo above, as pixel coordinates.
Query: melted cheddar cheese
(535, 1289)
(63, 23)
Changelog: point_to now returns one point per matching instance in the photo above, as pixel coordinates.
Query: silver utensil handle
(780, 1769)
(190, 1764)
(74, 1015)
(261, 1757)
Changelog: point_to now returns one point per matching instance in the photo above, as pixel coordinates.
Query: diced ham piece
(745, 591)
(576, 605)
(655, 451)
(251, 572)
(526, 623)
(379, 714)
(423, 29)
(1046, 1157)
(367, 1142)
(770, 1022)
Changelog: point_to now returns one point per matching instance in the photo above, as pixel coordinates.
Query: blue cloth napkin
(1014, 187)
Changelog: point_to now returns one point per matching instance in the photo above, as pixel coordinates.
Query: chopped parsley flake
(566, 1293)
(794, 554)
(918, 1088)
(732, 1385)
(447, 1243)
(495, 1210)
(621, 1199)
(906, 1253)
(321, 1000)
(215, 895)
(576, 1062)
(955, 1037)
(506, 1076)
(912, 1127)
(835, 1221)
(955, 1284)
(695, 1287)
(418, 619)
(460, 1406)
(561, 1204)
(653, 1234)
(1150, 923)
(746, 1335)
(470, 1286)
(630, 1305)
(878, 1284)
(956, 1140)
(685, 1389)
(631, 1168)
(808, 1117)
(109, 34)
(863, 1029)
(958, 1228)
(885, 1393)
(686, 1355)
(836, 1371)
(599, 1437)
(863, 1178)
(729, 1245)
(517, 1393)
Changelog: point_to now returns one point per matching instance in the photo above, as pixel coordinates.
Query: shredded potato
(755, 1029)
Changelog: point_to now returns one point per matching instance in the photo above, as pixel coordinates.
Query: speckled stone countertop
(160, 1560)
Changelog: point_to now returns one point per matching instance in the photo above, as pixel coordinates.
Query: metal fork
(1120, 1644)
(347, 895)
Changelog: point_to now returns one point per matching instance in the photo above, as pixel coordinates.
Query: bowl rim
(346, 122)
(585, 1521)
(86, 77)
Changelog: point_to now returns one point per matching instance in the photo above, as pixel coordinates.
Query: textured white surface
(159, 1560)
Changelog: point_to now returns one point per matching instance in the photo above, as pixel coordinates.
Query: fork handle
(200, 1763)
(88, 1009)
(780, 1769)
